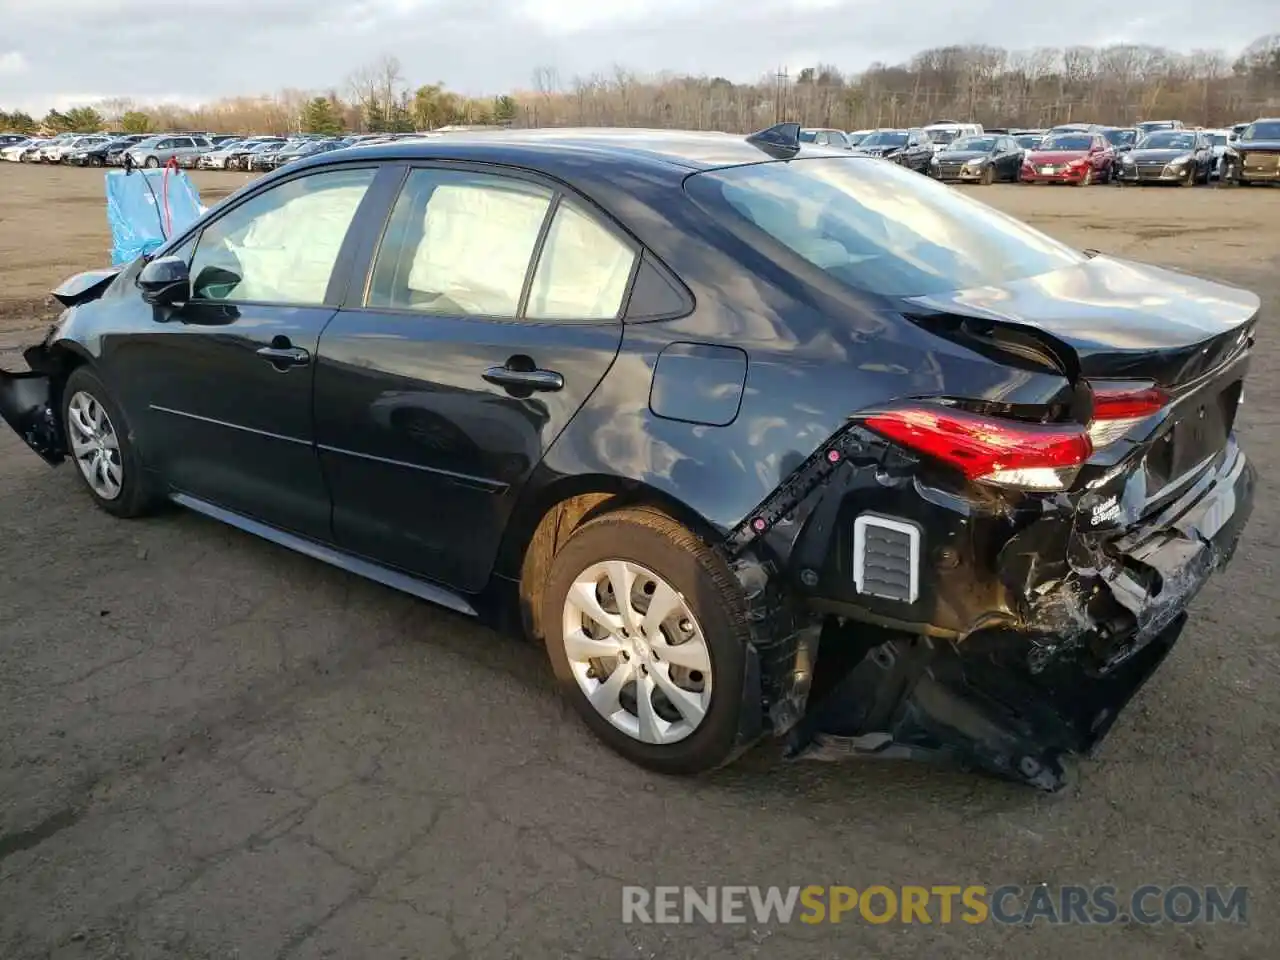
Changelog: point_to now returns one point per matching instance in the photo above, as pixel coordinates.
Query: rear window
(876, 226)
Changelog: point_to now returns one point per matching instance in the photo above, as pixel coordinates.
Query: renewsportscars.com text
(938, 904)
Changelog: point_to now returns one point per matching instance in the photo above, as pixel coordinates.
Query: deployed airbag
(145, 208)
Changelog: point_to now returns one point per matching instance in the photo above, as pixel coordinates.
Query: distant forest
(1118, 84)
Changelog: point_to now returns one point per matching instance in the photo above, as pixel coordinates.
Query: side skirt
(386, 576)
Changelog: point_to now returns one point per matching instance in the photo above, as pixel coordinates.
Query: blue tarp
(136, 210)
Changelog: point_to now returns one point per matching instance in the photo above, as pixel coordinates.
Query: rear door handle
(511, 378)
(285, 356)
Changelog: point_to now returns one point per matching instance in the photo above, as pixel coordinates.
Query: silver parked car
(157, 151)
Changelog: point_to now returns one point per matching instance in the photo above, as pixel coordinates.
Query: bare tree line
(1120, 84)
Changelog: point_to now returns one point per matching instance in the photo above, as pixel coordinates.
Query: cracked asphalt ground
(211, 747)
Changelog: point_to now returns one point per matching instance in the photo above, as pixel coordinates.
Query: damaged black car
(759, 438)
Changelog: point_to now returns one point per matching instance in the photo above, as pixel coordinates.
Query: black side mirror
(165, 281)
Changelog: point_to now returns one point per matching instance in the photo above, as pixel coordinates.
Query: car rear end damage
(990, 584)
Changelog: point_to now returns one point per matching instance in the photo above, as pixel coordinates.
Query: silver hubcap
(637, 651)
(95, 445)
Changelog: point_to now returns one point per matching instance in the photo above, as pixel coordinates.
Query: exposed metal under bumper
(1015, 699)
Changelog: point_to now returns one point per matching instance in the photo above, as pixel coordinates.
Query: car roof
(566, 152)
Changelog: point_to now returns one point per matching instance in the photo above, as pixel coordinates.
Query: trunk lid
(1117, 319)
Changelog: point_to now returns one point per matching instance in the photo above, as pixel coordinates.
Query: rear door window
(459, 244)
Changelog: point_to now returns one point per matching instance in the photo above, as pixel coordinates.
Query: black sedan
(1169, 156)
(756, 438)
(983, 159)
(1254, 157)
(909, 148)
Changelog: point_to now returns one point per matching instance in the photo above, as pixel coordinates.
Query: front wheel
(989, 176)
(647, 634)
(152, 162)
(100, 441)
(1087, 179)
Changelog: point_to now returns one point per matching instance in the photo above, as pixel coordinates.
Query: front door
(225, 380)
(491, 313)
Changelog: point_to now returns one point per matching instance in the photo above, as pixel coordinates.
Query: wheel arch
(546, 518)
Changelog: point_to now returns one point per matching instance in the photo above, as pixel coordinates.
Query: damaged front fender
(28, 404)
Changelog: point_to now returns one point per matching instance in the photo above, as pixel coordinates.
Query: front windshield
(976, 144)
(1169, 140)
(1066, 141)
(1120, 138)
(856, 138)
(884, 138)
(1264, 130)
(942, 136)
(877, 227)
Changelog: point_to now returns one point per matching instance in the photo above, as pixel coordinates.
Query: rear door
(225, 380)
(491, 312)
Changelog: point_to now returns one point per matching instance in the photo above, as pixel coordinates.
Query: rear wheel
(647, 634)
(152, 162)
(100, 441)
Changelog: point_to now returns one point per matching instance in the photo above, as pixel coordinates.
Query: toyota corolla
(757, 438)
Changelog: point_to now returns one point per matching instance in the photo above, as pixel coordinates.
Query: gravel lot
(211, 747)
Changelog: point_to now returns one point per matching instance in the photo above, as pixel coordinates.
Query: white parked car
(14, 152)
(945, 131)
(1219, 140)
(60, 146)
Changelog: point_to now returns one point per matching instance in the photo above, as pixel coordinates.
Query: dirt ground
(211, 747)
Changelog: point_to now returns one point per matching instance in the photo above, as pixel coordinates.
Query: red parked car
(1078, 158)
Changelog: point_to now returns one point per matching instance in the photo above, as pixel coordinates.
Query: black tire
(660, 544)
(1190, 179)
(152, 162)
(1087, 179)
(99, 162)
(138, 494)
(989, 175)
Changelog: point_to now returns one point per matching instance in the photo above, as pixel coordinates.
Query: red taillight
(1119, 407)
(990, 449)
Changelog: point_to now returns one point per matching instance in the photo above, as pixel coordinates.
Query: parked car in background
(1121, 139)
(1077, 128)
(308, 148)
(223, 139)
(1027, 139)
(63, 152)
(1169, 156)
(1218, 141)
(236, 158)
(856, 136)
(1075, 158)
(159, 150)
(552, 377)
(982, 159)
(1255, 155)
(263, 158)
(216, 159)
(1151, 126)
(9, 139)
(116, 149)
(943, 132)
(910, 147)
(17, 152)
(826, 137)
(51, 150)
(101, 154)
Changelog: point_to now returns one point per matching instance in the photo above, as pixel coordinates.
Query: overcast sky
(59, 53)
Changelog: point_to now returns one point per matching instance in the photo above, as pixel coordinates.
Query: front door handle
(285, 356)
(515, 379)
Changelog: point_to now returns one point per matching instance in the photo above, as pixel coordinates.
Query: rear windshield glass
(1120, 138)
(978, 144)
(942, 136)
(884, 138)
(876, 226)
(1067, 141)
(1169, 140)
